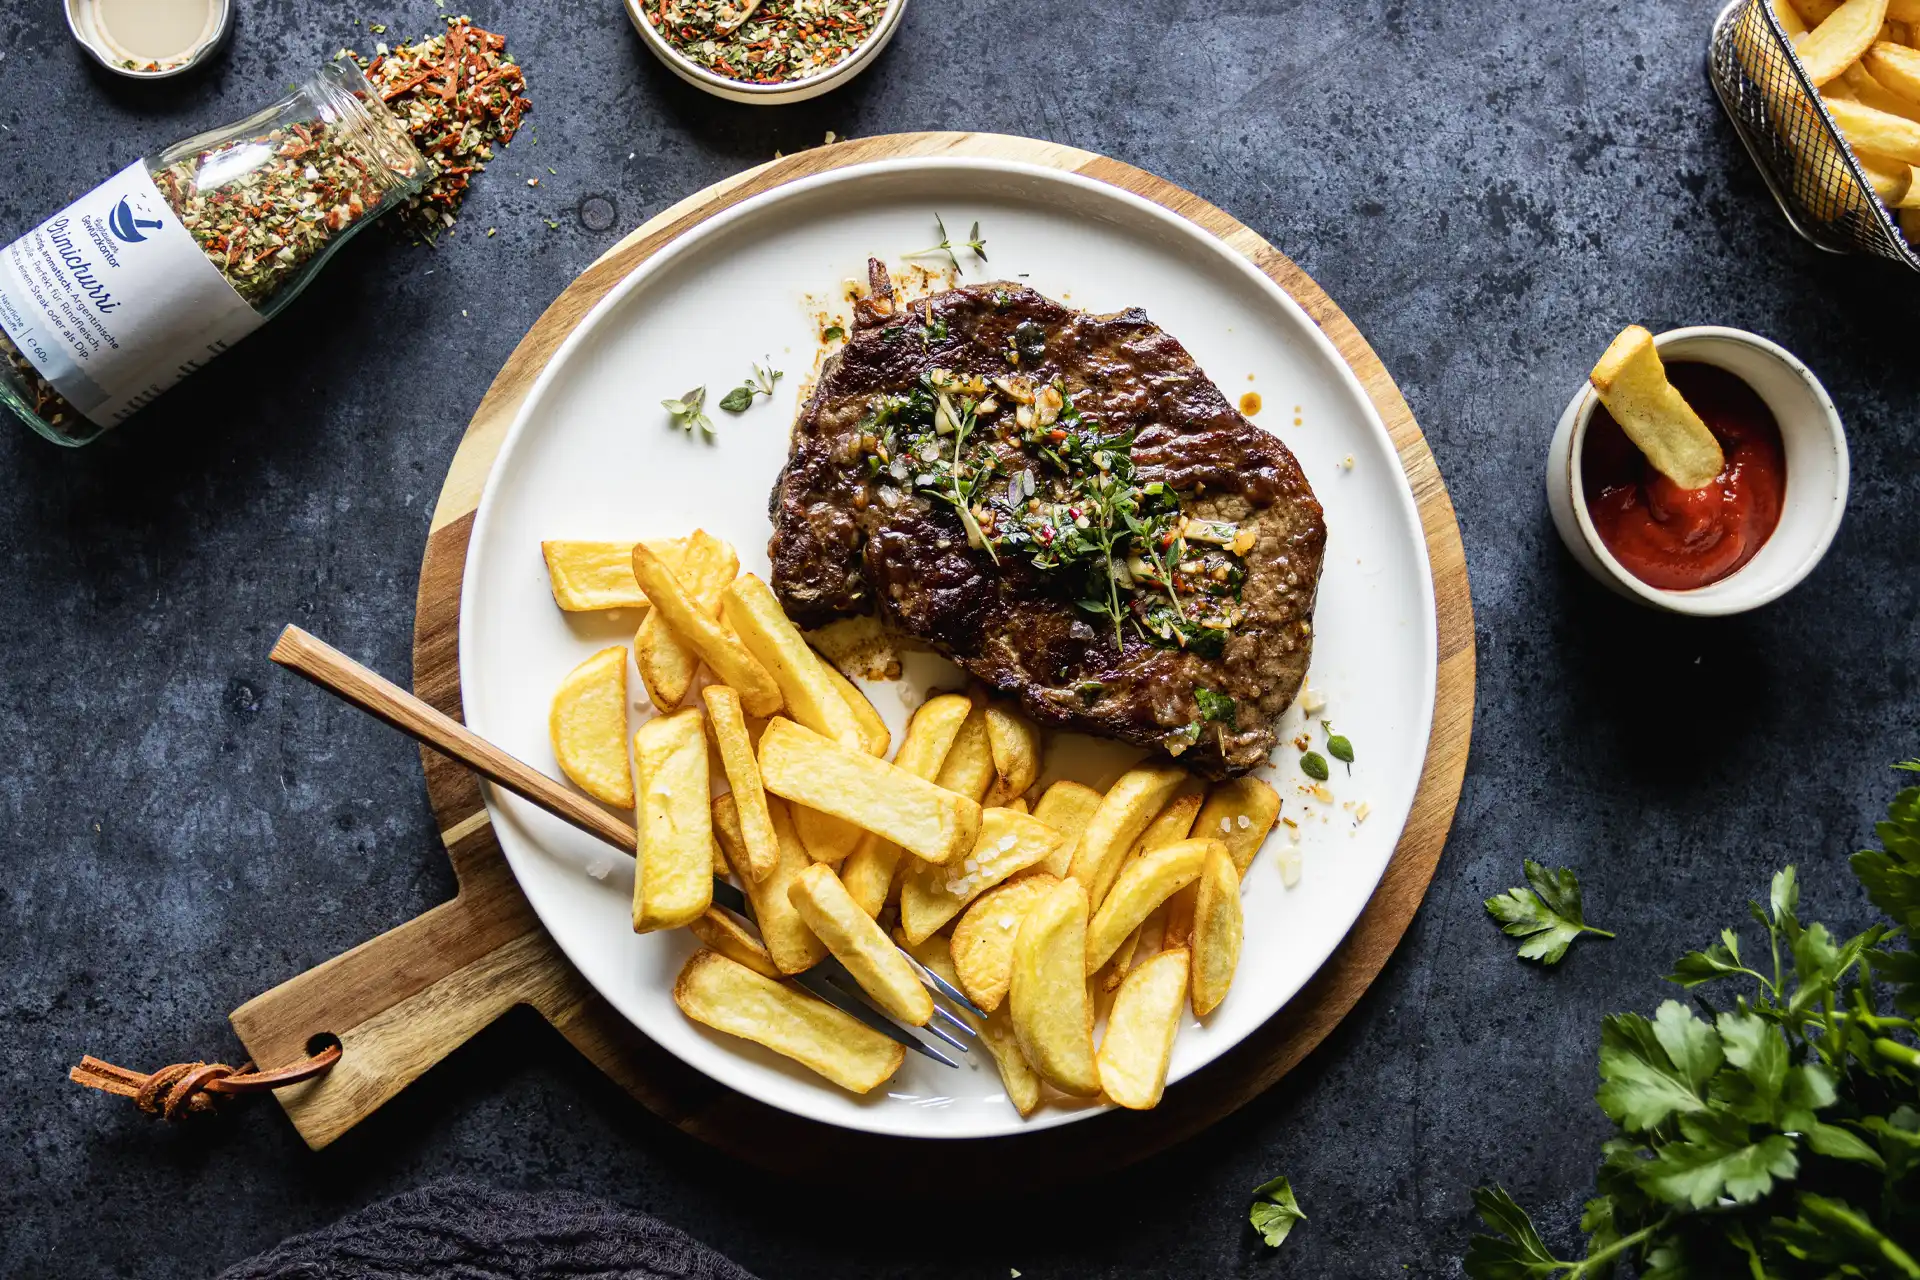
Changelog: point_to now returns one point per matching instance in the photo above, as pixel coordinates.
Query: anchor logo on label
(127, 224)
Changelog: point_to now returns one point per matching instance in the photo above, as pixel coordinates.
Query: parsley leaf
(1548, 914)
(1650, 1071)
(1274, 1211)
(1517, 1252)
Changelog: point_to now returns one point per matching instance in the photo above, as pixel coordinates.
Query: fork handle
(326, 666)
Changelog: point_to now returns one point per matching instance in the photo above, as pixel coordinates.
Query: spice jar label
(113, 300)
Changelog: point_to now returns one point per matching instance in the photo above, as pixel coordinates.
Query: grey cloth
(474, 1232)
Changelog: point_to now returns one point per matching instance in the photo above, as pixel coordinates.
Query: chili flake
(458, 93)
(782, 40)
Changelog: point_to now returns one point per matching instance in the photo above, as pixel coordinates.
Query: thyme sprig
(740, 399)
(690, 411)
(974, 243)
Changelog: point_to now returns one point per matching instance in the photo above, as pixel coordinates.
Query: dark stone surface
(1489, 189)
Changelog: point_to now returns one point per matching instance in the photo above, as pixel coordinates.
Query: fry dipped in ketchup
(1683, 468)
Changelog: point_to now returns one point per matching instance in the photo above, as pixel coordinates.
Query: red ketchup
(1678, 539)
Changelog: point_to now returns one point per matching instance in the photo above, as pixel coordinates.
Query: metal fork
(308, 656)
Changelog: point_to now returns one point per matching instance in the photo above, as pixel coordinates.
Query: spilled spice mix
(783, 40)
(262, 208)
(458, 94)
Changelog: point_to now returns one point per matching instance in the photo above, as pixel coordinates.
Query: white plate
(592, 455)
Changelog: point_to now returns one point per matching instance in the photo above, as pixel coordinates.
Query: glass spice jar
(172, 261)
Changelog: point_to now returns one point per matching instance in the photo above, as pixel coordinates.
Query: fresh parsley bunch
(1771, 1131)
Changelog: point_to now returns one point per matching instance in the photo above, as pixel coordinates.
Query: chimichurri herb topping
(1047, 484)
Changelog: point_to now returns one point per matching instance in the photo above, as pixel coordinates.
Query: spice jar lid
(92, 24)
(643, 13)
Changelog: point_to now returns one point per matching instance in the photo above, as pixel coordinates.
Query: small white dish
(83, 21)
(767, 95)
(1816, 465)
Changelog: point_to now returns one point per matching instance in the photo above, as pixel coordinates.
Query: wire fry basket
(1805, 160)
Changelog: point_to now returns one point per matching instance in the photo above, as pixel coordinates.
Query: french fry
(1021, 1080)
(673, 881)
(1790, 20)
(873, 730)
(1910, 224)
(705, 566)
(1811, 12)
(1896, 68)
(1067, 807)
(968, 769)
(788, 940)
(1841, 38)
(722, 933)
(1216, 931)
(759, 695)
(826, 838)
(982, 945)
(1009, 842)
(1138, 1044)
(876, 796)
(1114, 972)
(811, 698)
(1239, 814)
(860, 944)
(869, 871)
(1632, 383)
(1892, 180)
(1047, 997)
(1013, 741)
(1857, 84)
(727, 996)
(589, 576)
(1173, 822)
(1023, 1086)
(729, 729)
(1121, 818)
(1878, 132)
(587, 724)
(1142, 885)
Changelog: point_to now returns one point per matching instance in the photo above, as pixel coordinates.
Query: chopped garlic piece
(1289, 863)
(1313, 702)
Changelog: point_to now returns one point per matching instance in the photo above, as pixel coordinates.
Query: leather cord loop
(188, 1088)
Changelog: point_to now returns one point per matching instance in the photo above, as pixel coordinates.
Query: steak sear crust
(847, 541)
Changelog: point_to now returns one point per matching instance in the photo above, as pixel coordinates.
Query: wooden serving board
(403, 1001)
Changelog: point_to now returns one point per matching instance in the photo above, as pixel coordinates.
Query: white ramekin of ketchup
(1743, 540)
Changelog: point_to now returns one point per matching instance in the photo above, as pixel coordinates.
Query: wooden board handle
(340, 675)
(401, 1002)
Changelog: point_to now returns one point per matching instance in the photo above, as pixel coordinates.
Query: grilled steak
(1064, 505)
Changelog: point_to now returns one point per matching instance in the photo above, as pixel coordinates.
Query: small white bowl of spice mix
(766, 51)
